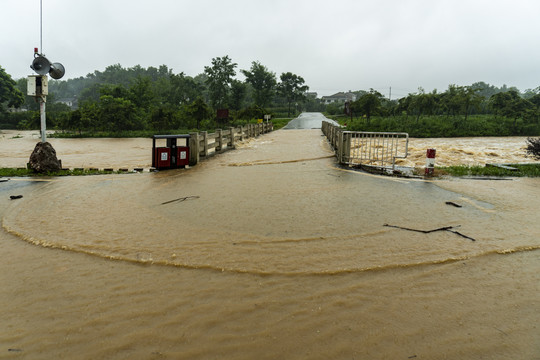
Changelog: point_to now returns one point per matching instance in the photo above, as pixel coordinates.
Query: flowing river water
(268, 251)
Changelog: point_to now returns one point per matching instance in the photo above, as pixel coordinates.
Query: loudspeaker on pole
(41, 65)
(57, 71)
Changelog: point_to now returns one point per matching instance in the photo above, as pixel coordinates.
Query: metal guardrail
(367, 148)
(375, 148)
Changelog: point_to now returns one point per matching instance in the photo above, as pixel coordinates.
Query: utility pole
(390, 96)
(43, 117)
(38, 85)
(43, 158)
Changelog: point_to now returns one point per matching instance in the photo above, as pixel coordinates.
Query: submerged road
(308, 120)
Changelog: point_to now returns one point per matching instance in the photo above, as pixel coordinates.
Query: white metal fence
(367, 148)
(375, 148)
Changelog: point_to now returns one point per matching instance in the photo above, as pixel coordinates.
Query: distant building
(71, 102)
(340, 97)
(311, 95)
(16, 110)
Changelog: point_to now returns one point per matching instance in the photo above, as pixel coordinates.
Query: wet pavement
(308, 121)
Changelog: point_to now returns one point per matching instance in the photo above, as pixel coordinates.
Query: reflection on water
(284, 256)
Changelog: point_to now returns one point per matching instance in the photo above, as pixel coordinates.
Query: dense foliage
(152, 99)
(533, 148)
(121, 99)
(476, 110)
(10, 95)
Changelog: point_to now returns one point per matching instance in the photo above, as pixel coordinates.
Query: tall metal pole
(42, 98)
(41, 25)
(43, 117)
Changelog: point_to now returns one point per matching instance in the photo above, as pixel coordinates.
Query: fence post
(231, 139)
(329, 136)
(205, 143)
(339, 146)
(346, 147)
(219, 140)
(193, 149)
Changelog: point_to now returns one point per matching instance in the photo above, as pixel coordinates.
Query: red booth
(170, 156)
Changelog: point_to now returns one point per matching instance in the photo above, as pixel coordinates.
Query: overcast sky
(335, 45)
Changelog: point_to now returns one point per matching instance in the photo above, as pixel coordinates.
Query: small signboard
(222, 114)
(347, 108)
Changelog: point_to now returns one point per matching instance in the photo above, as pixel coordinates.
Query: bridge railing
(202, 144)
(367, 148)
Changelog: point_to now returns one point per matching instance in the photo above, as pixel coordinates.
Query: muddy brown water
(269, 251)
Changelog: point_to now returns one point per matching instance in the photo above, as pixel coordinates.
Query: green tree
(163, 117)
(404, 105)
(263, 82)
(422, 103)
(10, 95)
(511, 105)
(238, 94)
(89, 116)
(292, 88)
(368, 104)
(119, 113)
(484, 90)
(90, 93)
(73, 121)
(183, 90)
(219, 77)
(198, 111)
(141, 92)
(460, 100)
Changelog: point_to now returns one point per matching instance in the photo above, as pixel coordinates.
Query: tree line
(476, 110)
(137, 98)
(156, 99)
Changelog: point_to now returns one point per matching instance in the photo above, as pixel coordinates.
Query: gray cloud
(338, 45)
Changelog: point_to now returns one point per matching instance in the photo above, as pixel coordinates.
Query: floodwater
(269, 251)
(16, 147)
(308, 121)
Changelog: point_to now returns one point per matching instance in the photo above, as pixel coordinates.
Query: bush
(533, 147)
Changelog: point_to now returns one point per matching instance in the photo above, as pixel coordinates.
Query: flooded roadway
(274, 253)
(308, 121)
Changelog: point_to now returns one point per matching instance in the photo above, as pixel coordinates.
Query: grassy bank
(529, 170)
(522, 170)
(442, 126)
(278, 124)
(13, 172)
